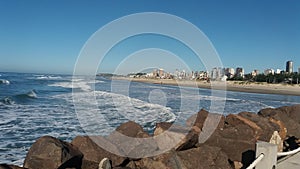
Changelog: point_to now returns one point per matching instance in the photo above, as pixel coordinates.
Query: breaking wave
(111, 109)
(3, 81)
(20, 98)
(48, 77)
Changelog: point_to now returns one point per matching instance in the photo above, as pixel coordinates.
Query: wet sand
(253, 87)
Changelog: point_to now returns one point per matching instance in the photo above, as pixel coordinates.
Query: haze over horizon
(47, 37)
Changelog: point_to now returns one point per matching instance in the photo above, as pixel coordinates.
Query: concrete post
(270, 155)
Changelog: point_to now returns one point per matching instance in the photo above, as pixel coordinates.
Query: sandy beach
(240, 86)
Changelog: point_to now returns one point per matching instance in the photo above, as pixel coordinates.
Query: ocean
(34, 105)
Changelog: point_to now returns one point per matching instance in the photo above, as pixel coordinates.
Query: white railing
(266, 155)
(256, 161)
(280, 154)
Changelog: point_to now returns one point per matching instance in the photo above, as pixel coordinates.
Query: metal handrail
(280, 154)
(256, 161)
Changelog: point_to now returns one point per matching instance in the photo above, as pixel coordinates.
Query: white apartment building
(269, 71)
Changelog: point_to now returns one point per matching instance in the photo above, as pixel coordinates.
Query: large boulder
(132, 129)
(273, 130)
(239, 134)
(161, 127)
(242, 128)
(164, 161)
(233, 147)
(200, 158)
(89, 164)
(51, 153)
(204, 119)
(204, 157)
(168, 136)
(96, 148)
(288, 115)
(6, 166)
(133, 141)
(197, 119)
(208, 123)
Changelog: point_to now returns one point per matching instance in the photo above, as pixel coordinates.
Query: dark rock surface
(95, 153)
(203, 119)
(267, 125)
(201, 158)
(132, 129)
(161, 127)
(50, 153)
(197, 119)
(204, 157)
(132, 141)
(166, 160)
(89, 164)
(230, 142)
(181, 137)
(289, 115)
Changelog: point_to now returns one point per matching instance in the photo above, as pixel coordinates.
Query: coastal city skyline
(216, 73)
(149, 84)
(252, 35)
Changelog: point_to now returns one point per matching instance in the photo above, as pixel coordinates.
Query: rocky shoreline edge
(230, 146)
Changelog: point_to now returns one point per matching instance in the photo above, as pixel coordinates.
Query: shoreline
(236, 86)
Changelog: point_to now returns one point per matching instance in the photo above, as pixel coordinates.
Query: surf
(3, 81)
(19, 98)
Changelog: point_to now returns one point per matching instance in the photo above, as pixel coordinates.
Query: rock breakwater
(229, 144)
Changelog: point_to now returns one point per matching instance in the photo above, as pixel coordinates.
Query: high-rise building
(289, 67)
(269, 71)
(229, 72)
(217, 73)
(299, 70)
(214, 73)
(277, 71)
(255, 72)
(240, 72)
(161, 73)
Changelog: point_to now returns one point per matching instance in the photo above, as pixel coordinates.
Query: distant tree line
(137, 74)
(292, 78)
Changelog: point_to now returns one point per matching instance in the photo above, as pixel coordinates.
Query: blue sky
(47, 36)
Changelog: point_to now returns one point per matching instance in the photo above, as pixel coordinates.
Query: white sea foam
(111, 109)
(32, 94)
(47, 77)
(136, 109)
(79, 84)
(23, 124)
(4, 81)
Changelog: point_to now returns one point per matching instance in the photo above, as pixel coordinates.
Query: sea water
(64, 106)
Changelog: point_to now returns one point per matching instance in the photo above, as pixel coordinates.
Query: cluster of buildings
(216, 74)
(224, 73)
(288, 70)
(182, 75)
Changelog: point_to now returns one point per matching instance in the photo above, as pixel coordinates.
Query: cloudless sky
(47, 36)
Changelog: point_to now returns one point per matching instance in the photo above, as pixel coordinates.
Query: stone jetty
(207, 140)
